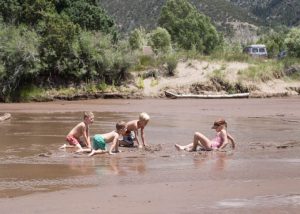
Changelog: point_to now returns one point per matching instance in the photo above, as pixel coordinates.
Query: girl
(220, 141)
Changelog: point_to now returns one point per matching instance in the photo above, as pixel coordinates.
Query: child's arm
(136, 134)
(143, 136)
(86, 137)
(114, 145)
(231, 140)
(225, 140)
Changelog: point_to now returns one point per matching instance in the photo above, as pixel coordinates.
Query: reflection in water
(217, 160)
(119, 166)
(262, 201)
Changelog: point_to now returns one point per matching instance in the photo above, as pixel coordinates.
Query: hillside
(235, 18)
(278, 11)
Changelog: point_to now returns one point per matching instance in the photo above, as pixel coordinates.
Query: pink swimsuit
(217, 141)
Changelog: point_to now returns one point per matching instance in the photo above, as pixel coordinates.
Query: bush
(160, 40)
(292, 41)
(171, 61)
(274, 42)
(137, 39)
(19, 57)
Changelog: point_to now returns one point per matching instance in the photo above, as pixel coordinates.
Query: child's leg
(65, 146)
(99, 151)
(204, 141)
(83, 150)
(186, 147)
(127, 141)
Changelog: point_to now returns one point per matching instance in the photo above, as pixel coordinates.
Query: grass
(263, 71)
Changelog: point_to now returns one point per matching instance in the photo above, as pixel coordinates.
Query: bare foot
(92, 153)
(178, 147)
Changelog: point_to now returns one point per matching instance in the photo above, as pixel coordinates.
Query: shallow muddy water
(266, 131)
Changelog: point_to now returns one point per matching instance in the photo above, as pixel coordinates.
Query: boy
(100, 140)
(132, 131)
(80, 130)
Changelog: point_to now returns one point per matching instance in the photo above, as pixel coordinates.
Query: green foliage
(231, 52)
(171, 61)
(188, 27)
(292, 41)
(30, 93)
(27, 11)
(160, 40)
(137, 38)
(19, 58)
(88, 15)
(10, 10)
(140, 83)
(56, 49)
(263, 71)
(274, 42)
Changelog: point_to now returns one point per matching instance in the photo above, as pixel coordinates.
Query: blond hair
(120, 125)
(88, 114)
(144, 116)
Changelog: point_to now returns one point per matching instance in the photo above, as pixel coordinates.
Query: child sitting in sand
(80, 130)
(220, 141)
(100, 140)
(131, 134)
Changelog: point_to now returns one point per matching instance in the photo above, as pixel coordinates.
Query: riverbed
(260, 175)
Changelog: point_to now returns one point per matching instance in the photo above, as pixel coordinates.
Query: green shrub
(274, 42)
(292, 41)
(160, 40)
(171, 61)
(19, 58)
(137, 39)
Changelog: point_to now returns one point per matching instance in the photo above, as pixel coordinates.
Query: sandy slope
(192, 71)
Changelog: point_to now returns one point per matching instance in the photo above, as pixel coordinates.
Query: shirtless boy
(131, 134)
(80, 130)
(100, 140)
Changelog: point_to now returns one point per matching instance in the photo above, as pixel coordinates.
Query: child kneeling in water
(220, 141)
(100, 140)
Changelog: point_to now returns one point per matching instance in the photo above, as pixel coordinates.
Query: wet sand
(261, 175)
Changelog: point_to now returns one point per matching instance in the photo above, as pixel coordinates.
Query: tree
(292, 41)
(160, 40)
(19, 59)
(188, 27)
(89, 16)
(274, 42)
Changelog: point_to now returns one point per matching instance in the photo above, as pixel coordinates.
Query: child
(80, 130)
(132, 131)
(220, 141)
(100, 140)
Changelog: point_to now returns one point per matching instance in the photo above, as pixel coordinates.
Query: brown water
(266, 131)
